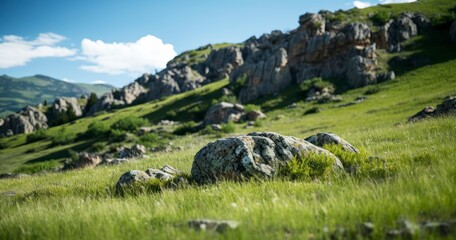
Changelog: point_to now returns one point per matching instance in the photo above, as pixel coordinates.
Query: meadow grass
(82, 204)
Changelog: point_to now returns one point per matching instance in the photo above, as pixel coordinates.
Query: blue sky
(115, 41)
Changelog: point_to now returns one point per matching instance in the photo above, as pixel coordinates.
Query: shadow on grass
(63, 153)
(189, 108)
(432, 47)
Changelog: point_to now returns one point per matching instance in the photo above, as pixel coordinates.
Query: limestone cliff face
(272, 62)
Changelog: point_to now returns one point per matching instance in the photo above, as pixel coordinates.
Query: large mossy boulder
(256, 155)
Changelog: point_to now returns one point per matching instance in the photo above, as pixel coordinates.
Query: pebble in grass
(220, 226)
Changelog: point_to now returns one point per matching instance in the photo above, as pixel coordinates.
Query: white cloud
(98, 82)
(145, 55)
(395, 1)
(67, 80)
(359, 4)
(16, 51)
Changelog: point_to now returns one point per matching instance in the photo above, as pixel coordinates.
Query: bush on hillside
(188, 127)
(310, 166)
(381, 18)
(130, 124)
(37, 136)
(97, 129)
(63, 137)
(316, 83)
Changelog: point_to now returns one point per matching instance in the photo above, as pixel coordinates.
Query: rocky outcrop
(171, 81)
(223, 113)
(453, 32)
(65, 109)
(392, 34)
(256, 155)
(220, 63)
(27, 120)
(445, 108)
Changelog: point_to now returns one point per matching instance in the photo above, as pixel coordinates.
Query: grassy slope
(79, 204)
(16, 93)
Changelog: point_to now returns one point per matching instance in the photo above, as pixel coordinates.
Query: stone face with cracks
(257, 155)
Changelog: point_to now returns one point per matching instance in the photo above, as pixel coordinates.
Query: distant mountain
(99, 89)
(16, 93)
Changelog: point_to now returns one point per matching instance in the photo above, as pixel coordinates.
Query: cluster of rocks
(447, 107)
(256, 155)
(30, 119)
(322, 95)
(228, 112)
(124, 154)
(26, 120)
(319, 47)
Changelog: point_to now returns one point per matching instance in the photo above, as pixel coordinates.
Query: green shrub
(372, 90)
(239, 83)
(229, 127)
(361, 165)
(97, 147)
(96, 129)
(258, 123)
(251, 108)
(63, 137)
(312, 110)
(208, 130)
(153, 140)
(3, 145)
(381, 18)
(171, 114)
(38, 135)
(117, 135)
(130, 124)
(310, 166)
(317, 83)
(188, 127)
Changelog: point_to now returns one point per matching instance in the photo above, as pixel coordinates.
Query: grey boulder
(256, 155)
(321, 139)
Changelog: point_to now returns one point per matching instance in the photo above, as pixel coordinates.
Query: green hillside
(415, 193)
(98, 89)
(16, 93)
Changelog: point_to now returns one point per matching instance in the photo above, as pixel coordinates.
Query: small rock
(321, 139)
(255, 115)
(159, 174)
(216, 127)
(13, 175)
(170, 170)
(208, 224)
(130, 178)
(293, 105)
(366, 228)
(442, 228)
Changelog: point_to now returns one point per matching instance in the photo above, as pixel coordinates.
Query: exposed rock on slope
(446, 107)
(258, 154)
(26, 120)
(263, 66)
(65, 109)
